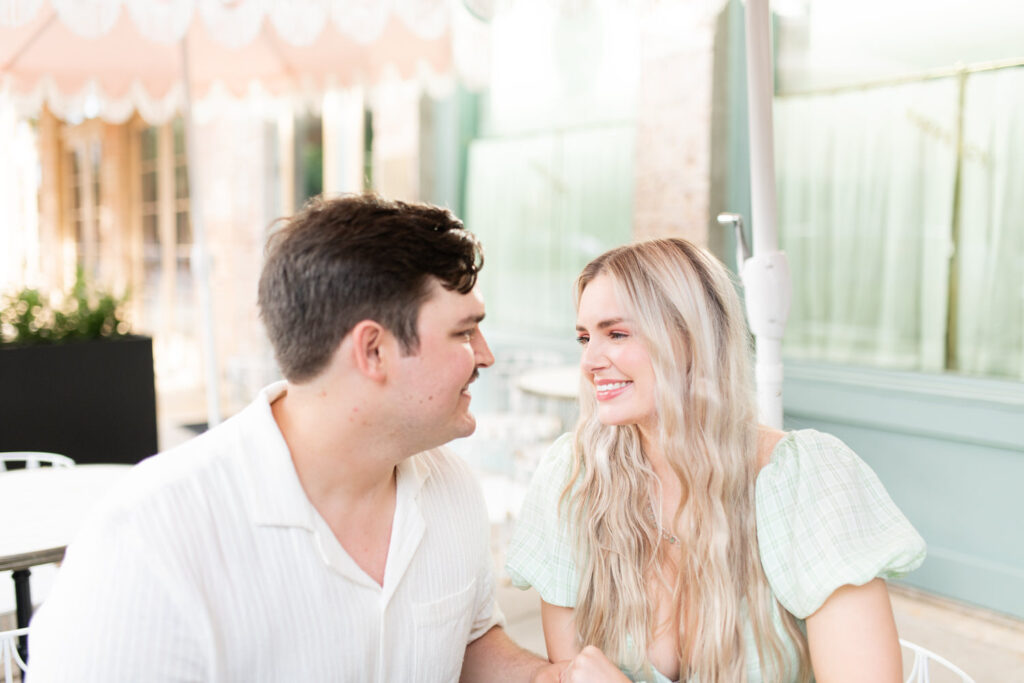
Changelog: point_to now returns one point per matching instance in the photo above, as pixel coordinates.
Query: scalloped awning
(109, 58)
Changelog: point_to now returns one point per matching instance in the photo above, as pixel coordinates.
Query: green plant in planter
(29, 318)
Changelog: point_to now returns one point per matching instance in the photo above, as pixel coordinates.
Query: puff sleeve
(541, 552)
(824, 520)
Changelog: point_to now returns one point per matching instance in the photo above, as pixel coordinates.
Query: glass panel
(149, 186)
(824, 43)
(183, 228)
(96, 153)
(148, 140)
(151, 230)
(990, 283)
(572, 200)
(367, 149)
(865, 188)
(181, 182)
(74, 180)
(179, 136)
(309, 158)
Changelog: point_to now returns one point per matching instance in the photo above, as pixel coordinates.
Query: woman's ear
(368, 349)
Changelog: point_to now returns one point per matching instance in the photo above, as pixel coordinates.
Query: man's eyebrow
(604, 324)
(475, 318)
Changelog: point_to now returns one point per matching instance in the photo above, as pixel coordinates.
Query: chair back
(920, 671)
(9, 653)
(33, 459)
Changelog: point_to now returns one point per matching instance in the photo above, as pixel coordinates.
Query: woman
(670, 536)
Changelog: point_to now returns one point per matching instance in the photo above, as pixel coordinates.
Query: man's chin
(468, 426)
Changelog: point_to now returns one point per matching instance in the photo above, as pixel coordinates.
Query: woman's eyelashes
(614, 335)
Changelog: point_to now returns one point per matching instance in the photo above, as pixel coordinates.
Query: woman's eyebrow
(604, 324)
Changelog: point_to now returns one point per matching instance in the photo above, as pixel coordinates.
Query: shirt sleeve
(486, 610)
(541, 551)
(112, 616)
(824, 520)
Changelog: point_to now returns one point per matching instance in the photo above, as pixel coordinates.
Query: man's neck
(347, 470)
(337, 450)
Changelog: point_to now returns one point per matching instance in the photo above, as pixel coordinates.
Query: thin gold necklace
(666, 535)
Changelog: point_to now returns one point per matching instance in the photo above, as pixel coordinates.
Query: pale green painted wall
(950, 451)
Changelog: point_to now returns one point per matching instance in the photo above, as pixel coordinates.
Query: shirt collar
(274, 495)
(273, 492)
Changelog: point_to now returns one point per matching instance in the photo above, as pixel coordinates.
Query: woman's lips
(609, 390)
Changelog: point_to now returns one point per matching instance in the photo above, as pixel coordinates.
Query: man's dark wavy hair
(356, 257)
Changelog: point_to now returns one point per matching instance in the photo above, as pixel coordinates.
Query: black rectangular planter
(93, 401)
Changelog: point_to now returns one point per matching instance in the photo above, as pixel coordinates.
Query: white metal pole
(200, 253)
(766, 275)
(760, 91)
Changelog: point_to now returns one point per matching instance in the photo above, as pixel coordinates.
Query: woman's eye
(617, 335)
(582, 339)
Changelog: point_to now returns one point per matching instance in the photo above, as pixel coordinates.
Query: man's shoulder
(443, 466)
(188, 477)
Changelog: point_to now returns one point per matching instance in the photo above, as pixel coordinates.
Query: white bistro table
(555, 388)
(557, 382)
(41, 510)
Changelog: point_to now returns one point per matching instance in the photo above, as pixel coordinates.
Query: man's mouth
(465, 389)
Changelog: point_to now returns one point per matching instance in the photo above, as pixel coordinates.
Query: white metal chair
(919, 670)
(34, 459)
(9, 653)
(42, 576)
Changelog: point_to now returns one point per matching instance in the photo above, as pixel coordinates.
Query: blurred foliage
(29, 318)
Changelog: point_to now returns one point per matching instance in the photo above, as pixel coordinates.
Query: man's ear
(369, 355)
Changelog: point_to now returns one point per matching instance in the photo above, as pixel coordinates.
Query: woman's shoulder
(824, 519)
(805, 453)
(811, 469)
(541, 550)
(767, 439)
(558, 457)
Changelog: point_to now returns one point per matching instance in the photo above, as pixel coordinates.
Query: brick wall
(673, 143)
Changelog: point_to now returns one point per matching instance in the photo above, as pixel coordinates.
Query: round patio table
(560, 382)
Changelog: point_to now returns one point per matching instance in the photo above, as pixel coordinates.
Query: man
(319, 535)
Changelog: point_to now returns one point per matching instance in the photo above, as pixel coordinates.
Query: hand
(550, 673)
(591, 665)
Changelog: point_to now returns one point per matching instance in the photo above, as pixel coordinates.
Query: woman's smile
(614, 357)
(609, 389)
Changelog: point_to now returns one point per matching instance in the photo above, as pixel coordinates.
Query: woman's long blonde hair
(686, 311)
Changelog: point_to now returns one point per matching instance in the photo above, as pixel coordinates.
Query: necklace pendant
(664, 534)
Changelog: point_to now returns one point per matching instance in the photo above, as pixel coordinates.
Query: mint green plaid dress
(824, 520)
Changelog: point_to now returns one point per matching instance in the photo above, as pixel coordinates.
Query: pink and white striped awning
(113, 57)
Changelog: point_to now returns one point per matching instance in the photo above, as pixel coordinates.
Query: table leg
(23, 601)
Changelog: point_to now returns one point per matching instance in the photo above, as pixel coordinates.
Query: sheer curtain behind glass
(865, 187)
(990, 294)
(544, 205)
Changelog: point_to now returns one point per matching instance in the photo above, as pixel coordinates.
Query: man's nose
(484, 357)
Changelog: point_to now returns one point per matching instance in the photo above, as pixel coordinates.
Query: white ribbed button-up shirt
(210, 564)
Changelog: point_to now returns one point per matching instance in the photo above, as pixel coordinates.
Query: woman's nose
(593, 357)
